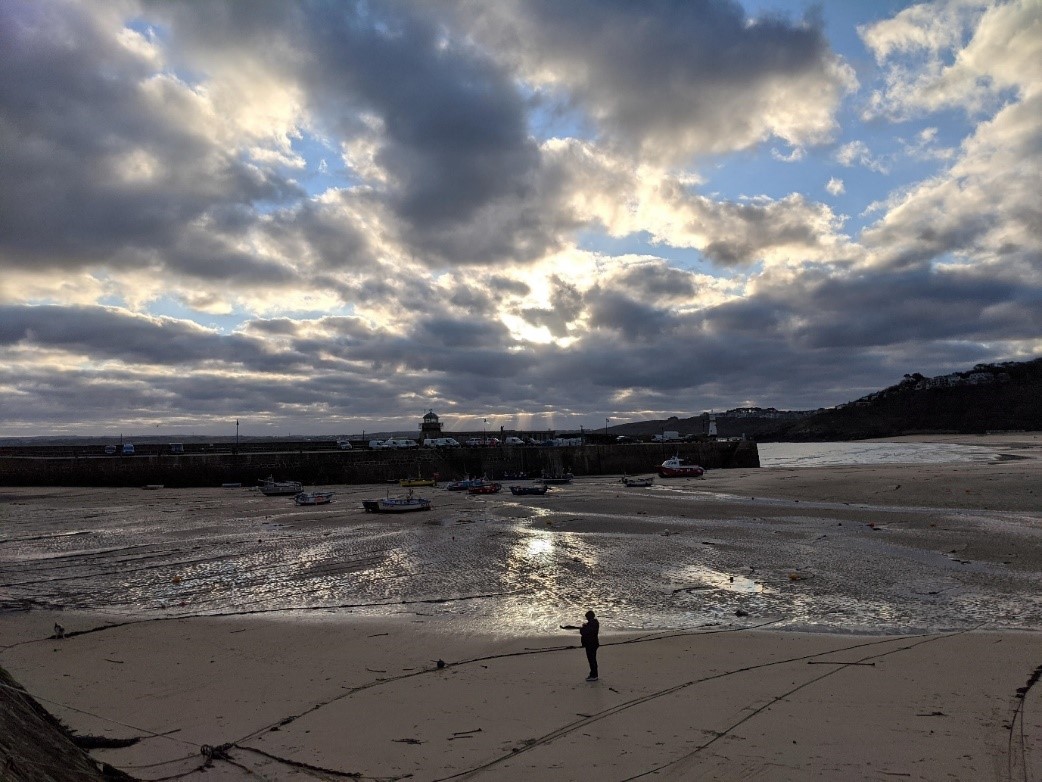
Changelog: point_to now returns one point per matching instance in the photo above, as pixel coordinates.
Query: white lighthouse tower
(712, 426)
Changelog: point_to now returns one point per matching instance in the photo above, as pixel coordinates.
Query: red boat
(485, 488)
(675, 467)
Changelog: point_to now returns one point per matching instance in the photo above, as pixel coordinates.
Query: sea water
(850, 453)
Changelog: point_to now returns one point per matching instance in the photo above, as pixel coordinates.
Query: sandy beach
(848, 622)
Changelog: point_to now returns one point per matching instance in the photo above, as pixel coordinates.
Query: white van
(377, 445)
(400, 443)
(513, 441)
(441, 442)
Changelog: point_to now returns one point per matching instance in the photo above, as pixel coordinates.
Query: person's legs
(591, 656)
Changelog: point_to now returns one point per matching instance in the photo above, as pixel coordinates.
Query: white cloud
(956, 53)
(858, 153)
(835, 186)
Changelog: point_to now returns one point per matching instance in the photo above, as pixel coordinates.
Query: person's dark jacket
(588, 634)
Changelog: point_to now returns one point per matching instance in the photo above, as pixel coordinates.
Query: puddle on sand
(696, 577)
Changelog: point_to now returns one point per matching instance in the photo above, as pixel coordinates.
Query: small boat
(313, 497)
(557, 479)
(396, 504)
(466, 483)
(409, 482)
(485, 488)
(533, 489)
(272, 488)
(675, 467)
(153, 486)
(632, 480)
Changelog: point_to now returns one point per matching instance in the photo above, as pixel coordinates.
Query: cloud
(508, 209)
(107, 157)
(857, 153)
(955, 53)
(673, 80)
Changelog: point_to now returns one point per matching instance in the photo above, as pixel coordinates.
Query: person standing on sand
(588, 635)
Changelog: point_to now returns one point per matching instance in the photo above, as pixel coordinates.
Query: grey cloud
(75, 122)
(566, 305)
(104, 333)
(466, 183)
(635, 320)
(676, 77)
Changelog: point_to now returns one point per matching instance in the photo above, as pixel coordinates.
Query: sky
(329, 217)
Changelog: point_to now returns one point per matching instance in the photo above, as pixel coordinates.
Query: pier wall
(362, 466)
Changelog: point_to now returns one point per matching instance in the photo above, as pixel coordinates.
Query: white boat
(273, 488)
(675, 467)
(632, 480)
(313, 497)
(396, 504)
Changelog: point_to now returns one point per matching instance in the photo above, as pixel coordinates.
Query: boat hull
(681, 472)
(313, 498)
(528, 490)
(637, 482)
(392, 505)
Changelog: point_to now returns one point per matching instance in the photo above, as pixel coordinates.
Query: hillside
(989, 397)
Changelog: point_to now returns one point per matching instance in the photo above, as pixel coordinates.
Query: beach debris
(466, 732)
(440, 663)
(407, 741)
(215, 753)
(741, 613)
(59, 631)
(931, 714)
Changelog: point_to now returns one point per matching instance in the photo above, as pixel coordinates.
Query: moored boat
(464, 484)
(409, 482)
(557, 478)
(396, 504)
(485, 488)
(675, 467)
(313, 497)
(639, 482)
(273, 488)
(533, 489)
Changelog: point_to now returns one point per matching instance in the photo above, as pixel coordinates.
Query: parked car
(482, 442)
(441, 442)
(513, 441)
(377, 445)
(110, 450)
(343, 445)
(177, 448)
(128, 449)
(400, 443)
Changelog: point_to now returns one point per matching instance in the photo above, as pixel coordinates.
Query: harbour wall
(323, 467)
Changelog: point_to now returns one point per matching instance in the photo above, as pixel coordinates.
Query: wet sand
(921, 580)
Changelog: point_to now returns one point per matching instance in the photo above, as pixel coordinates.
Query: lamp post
(236, 435)
(484, 426)
(606, 428)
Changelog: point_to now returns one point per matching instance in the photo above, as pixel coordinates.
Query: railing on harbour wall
(364, 466)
